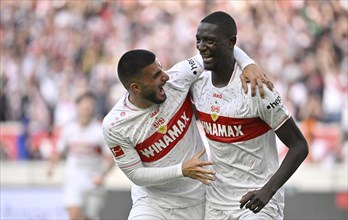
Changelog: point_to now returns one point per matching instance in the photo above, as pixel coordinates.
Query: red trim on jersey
(126, 105)
(229, 130)
(158, 145)
(129, 165)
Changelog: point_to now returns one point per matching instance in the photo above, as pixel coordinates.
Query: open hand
(254, 74)
(194, 168)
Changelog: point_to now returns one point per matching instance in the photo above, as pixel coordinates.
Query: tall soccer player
(241, 131)
(154, 138)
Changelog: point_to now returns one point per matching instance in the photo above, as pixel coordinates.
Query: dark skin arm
(292, 137)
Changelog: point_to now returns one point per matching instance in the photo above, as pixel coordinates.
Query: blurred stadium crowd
(53, 50)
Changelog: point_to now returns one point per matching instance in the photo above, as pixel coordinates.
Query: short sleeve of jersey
(271, 108)
(124, 153)
(184, 73)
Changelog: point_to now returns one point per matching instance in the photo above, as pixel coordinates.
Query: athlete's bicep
(290, 134)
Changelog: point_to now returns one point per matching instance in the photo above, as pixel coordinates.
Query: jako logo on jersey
(162, 142)
(228, 130)
(217, 95)
(193, 65)
(154, 113)
(117, 152)
(275, 103)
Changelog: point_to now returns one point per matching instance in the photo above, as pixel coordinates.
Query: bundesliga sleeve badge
(117, 152)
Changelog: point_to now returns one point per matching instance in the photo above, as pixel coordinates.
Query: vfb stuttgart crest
(162, 129)
(215, 110)
(160, 125)
(214, 116)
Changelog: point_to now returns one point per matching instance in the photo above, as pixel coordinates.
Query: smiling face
(214, 46)
(149, 86)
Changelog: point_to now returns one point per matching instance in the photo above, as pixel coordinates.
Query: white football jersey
(160, 136)
(240, 132)
(85, 148)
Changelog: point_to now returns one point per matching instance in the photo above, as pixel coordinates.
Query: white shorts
(148, 209)
(90, 201)
(269, 212)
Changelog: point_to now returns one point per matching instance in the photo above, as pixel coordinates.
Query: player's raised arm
(251, 73)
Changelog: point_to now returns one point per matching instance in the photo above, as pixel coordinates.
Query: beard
(151, 96)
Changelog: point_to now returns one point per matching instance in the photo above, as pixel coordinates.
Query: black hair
(85, 95)
(131, 64)
(225, 22)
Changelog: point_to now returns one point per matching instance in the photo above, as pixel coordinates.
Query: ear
(135, 88)
(232, 41)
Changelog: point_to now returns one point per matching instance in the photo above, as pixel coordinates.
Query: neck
(139, 102)
(222, 76)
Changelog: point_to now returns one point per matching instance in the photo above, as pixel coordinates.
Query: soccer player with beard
(241, 131)
(154, 138)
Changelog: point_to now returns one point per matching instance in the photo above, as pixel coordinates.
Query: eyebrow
(206, 36)
(156, 73)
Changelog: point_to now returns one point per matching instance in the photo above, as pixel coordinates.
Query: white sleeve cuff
(242, 58)
(179, 170)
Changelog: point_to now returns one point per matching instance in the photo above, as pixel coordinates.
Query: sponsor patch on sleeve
(117, 152)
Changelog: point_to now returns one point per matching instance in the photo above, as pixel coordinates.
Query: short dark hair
(87, 94)
(131, 64)
(223, 20)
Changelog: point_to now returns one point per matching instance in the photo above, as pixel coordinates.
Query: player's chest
(228, 101)
(172, 117)
(159, 135)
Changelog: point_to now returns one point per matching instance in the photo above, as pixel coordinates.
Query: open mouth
(207, 58)
(161, 90)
